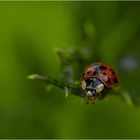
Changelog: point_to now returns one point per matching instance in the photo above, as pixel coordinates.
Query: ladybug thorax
(92, 86)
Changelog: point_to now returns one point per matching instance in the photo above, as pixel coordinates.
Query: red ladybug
(95, 78)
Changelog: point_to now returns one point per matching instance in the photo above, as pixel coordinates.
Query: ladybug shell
(102, 72)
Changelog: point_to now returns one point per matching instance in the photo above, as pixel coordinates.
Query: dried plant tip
(66, 92)
(33, 76)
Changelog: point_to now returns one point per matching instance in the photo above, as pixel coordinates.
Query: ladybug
(96, 78)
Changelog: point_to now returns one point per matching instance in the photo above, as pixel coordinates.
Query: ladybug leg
(99, 96)
(90, 101)
(102, 96)
(87, 100)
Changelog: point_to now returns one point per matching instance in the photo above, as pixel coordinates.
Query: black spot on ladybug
(104, 73)
(89, 71)
(113, 73)
(103, 68)
(116, 80)
(96, 73)
(88, 81)
(109, 81)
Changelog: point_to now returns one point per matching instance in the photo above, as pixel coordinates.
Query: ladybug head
(92, 87)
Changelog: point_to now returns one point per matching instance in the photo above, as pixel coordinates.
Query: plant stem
(67, 87)
(76, 90)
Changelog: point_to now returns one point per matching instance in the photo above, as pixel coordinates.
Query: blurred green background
(30, 32)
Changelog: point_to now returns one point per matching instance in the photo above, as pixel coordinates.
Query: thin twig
(76, 90)
(68, 88)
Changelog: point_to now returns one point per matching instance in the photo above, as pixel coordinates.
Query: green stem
(76, 90)
(68, 88)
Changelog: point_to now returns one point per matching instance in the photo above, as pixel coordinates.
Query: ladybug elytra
(97, 77)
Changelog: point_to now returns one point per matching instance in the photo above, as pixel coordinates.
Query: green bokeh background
(29, 35)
